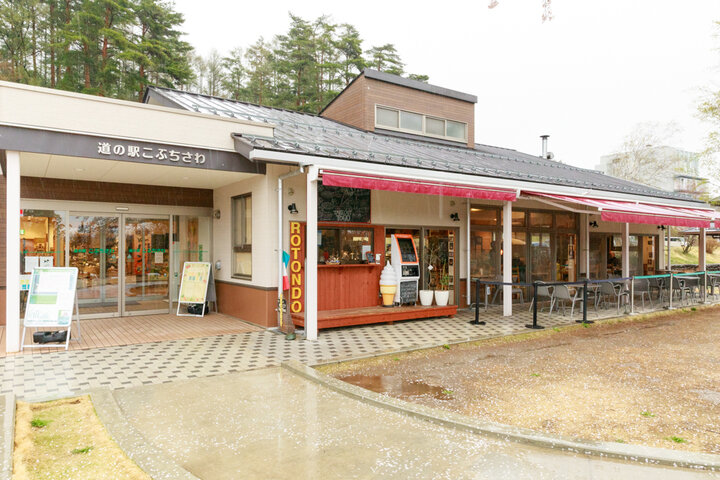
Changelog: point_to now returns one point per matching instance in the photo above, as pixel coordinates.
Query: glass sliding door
(190, 242)
(147, 265)
(540, 257)
(94, 245)
(566, 265)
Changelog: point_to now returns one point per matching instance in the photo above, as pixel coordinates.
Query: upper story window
(411, 122)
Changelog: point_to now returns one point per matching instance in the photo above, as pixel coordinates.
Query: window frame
(240, 247)
(424, 131)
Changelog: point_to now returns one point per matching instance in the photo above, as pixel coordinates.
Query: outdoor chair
(608, 290)
(714, 283)
(543, 292)
(641, 286)
(560, 295)
(515, 290)
(679, 287)
(659, 285)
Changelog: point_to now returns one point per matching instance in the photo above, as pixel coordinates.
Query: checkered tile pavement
(68, 372)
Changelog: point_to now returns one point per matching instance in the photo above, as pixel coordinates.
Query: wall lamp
(216, 214)
(661, 227)
(292, 208)
(455, 217)
(594, 224)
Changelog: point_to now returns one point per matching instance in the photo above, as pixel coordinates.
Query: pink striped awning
(631, 212)
(427, 187)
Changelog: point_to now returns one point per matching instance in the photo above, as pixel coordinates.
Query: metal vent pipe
(544, 145)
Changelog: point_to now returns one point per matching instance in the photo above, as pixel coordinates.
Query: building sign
(150, 153)
(297, 260)
(108, 148)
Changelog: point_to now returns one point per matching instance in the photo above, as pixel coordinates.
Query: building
(680, 169)
(127, 192)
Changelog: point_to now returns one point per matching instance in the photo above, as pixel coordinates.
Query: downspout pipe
(280, 212)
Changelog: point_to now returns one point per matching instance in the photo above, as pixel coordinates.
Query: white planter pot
(442, 297)
(426, 297)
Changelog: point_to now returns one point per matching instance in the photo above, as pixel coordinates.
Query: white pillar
(702, 266)
(661, 251)
(626, 250)
(583, 259)
(311, 290)
(468, 273)
(12, 252)
(507, 258)
(668, 265)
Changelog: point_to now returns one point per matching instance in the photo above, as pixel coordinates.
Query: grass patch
(647, 414)
(39, 423)
(71, 443)
(676, 439)
(447, 392)
(81, 450)
(446, 346)
(534, 374)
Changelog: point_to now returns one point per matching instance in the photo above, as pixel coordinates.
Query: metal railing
(626, 288)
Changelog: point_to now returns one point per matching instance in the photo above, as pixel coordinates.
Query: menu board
(342, 204)
(194, 284)
(51, 297)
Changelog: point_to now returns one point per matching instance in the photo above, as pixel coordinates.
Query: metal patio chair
(543, 292)
(679, 287)
(561, 294)
(641, 286)
(616, 292)
(514, 290)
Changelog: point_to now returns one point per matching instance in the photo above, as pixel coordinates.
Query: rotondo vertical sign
(296, 267)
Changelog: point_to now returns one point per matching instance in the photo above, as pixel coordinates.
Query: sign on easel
(196, 287)
(52, 297)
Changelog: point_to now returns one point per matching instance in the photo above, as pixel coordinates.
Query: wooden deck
(108, 332)
(367, 315)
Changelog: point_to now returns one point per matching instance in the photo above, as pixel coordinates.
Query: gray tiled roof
(304, 133)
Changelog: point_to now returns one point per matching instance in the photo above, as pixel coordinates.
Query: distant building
(666, 168)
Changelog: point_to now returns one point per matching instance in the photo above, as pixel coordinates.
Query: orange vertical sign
(297, 260)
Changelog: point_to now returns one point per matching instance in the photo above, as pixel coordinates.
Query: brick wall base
(252, 304)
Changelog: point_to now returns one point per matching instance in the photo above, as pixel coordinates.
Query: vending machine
(404, 259)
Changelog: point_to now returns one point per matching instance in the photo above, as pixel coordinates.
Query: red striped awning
(631, 212)
(427, 187)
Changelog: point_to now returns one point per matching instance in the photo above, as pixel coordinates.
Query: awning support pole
(311, 285)
(12, 252)
(507, 259)
(626, 250)
(467, 249)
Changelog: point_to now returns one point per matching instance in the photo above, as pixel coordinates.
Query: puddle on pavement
(396, 386)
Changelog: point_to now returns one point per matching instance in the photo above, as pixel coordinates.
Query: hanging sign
(51, 297)
(297, 259)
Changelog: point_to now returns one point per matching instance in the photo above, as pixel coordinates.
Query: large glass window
(566, 265)
(339, 246)
(242, 236)
(418, 123)
(42, 239)
(411, 121)
(484, 216)
(456, 130)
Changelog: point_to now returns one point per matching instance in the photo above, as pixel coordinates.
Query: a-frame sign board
(52, 297)
(196, 287)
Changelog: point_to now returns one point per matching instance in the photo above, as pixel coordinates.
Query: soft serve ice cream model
(388, 285)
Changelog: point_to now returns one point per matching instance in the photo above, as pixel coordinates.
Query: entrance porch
(110, 332)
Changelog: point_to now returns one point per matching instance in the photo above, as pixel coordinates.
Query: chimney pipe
(544, 145)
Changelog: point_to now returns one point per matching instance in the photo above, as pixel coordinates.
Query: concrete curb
(7, 415)
(636, 453)
(149, 458)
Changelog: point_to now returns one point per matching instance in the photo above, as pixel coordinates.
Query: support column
(311, 287)
(669, 257)
(661, 250)
(468, 282)
(626, 250)
(583, 256)
(507, 258)
(12, 252)
(702, 263)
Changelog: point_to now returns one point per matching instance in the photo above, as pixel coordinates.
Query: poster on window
(194, 283)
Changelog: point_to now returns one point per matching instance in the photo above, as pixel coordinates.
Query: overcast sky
(586, 78)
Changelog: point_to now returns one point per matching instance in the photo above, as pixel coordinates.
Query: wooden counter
(348, 286)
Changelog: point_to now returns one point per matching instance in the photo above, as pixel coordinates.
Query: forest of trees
(116, 48)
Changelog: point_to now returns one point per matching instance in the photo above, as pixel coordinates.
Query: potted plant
(426, 296)
(443, 295)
